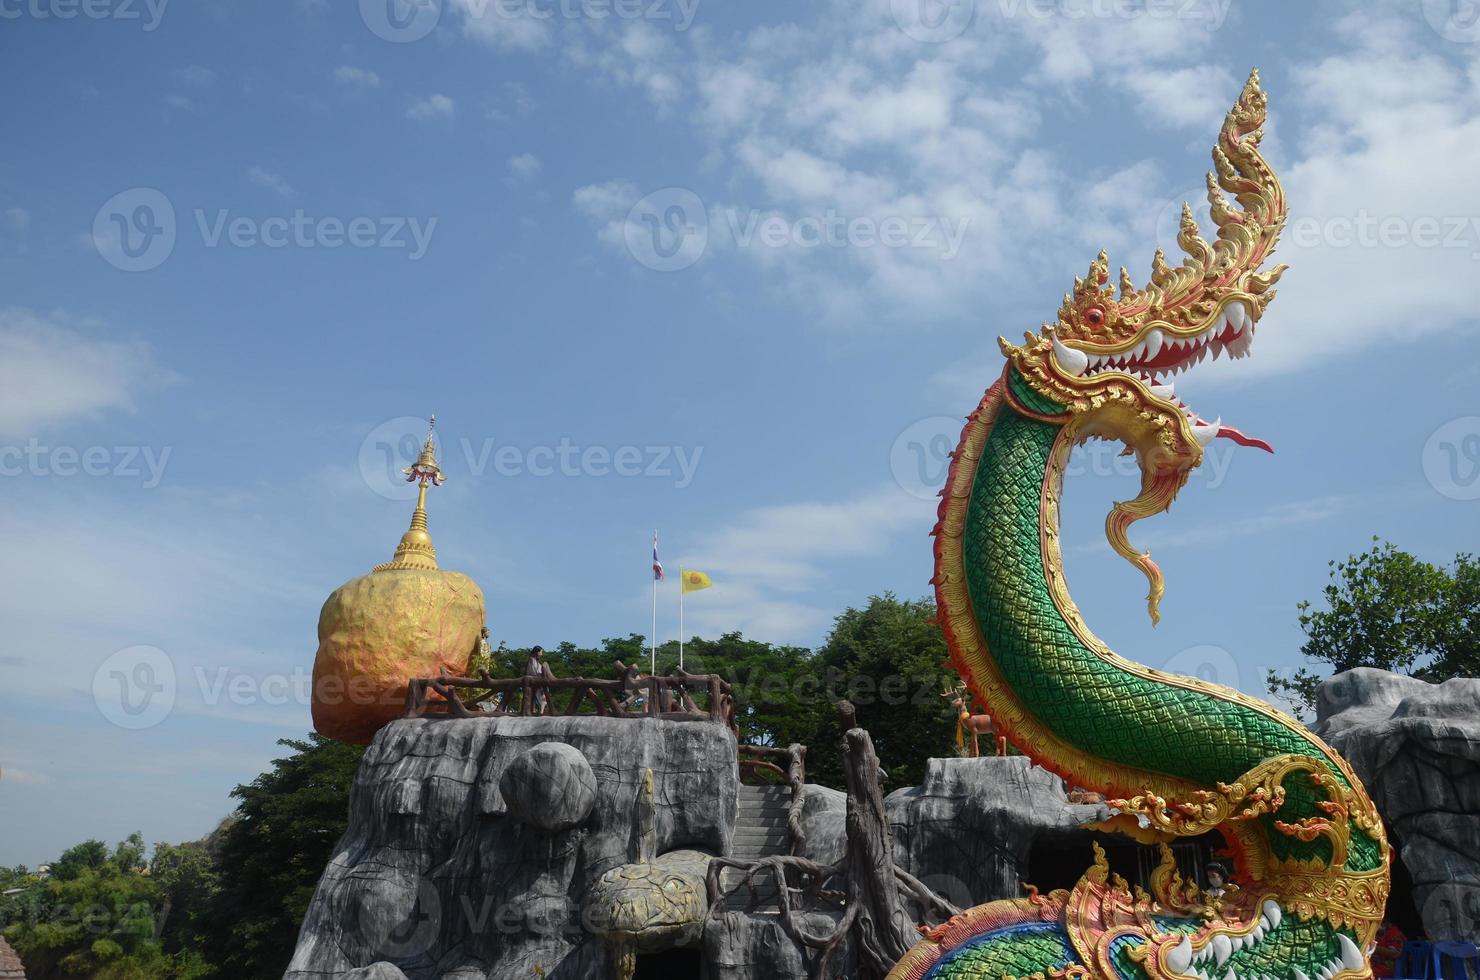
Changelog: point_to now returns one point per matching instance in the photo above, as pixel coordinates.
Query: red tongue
(1229, 432)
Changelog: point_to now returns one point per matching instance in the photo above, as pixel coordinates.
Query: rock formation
(1417, 747)
(577, 846)
(442, 875)
(525, 847)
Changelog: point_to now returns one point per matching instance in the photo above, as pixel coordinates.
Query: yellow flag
(693, 581)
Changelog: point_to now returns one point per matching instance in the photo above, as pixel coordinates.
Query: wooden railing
(755, 758)
(630, 695)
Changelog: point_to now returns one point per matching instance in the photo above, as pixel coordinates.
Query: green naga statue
(1175, 756)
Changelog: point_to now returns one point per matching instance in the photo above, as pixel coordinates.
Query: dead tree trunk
(873, 886)
(880, 925)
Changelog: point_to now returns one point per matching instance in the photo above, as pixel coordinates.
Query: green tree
(777, 699)
(188, 883)
(889, 660)
(89, 855)
(1386, 608)
(99, 918)
(287, 822)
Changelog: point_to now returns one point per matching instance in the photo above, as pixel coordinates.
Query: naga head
(1111, 355)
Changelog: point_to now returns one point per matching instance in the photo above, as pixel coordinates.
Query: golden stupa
(406, 619)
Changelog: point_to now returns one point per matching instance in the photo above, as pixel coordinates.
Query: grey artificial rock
(550, 786)
(376, 971)
(823, 835)
(750, 947)
(1416, 747)
(456, 867)
(968, 829)
(435, 876)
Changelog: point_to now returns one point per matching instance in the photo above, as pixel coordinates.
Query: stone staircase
(760, 831)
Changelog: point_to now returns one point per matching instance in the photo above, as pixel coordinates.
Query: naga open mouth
(1158, 355)
(1260, 951)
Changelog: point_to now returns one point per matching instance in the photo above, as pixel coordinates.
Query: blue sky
(734, 271)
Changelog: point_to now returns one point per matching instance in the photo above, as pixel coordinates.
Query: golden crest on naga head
(1208, 304)
(1110, 357)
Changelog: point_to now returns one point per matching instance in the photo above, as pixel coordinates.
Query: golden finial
(415, 549)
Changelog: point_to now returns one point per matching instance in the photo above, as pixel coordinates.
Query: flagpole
(653, 655)
(680, 619)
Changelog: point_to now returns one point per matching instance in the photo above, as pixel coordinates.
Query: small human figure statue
(538, 668)
(1217, 890)
(495, 702)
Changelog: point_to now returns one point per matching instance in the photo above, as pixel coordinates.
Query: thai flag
(657, 565)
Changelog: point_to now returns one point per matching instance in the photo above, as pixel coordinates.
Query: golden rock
(381, 630)
(406, 619)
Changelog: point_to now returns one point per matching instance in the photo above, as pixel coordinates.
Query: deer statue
(976, 725)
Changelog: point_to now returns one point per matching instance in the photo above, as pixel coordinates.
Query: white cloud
(196, 76)
(1292, 513)
(53, 372)
(847, 114)
(502, 26)
(608, 205)
(524, 167)
(435, 106)
(1185, 97)
(771, 565)
(271, 181)
(513, 100)
(352, 77)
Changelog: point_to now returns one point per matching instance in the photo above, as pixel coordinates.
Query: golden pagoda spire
(415, 549)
